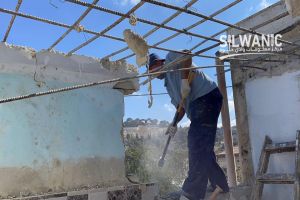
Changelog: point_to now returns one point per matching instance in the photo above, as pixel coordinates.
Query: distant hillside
(153, 127)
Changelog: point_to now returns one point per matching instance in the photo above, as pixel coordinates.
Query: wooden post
(297, 173)
(231, 173)
(240, 105)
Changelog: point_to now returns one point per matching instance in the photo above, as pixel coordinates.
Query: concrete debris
(117, 65)
(132, 19)
(79, 28)
(138, 45)
(293, 6)
(47, 66)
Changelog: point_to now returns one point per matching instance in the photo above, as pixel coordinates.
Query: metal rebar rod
(107, 28)
(27, 16)
(154, 29)
(144, 20)
(64, 89)
(140, 95)
(187, 28)
(212, 19)
(12, 21)
(34, 18)
(76, 23)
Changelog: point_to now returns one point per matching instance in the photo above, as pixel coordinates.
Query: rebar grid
(154, 29)
(76, 23)
(143, 20)
(55, 23)
(213, 19)
(187, 28)
(85, 30)
(109, 36)
(12, 21)
(137, 6)
(123, 16)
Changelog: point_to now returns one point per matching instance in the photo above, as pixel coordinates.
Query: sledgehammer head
(161, 162)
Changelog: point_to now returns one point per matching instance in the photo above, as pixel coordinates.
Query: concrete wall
(273, 105)
(293, 7)
(59, 142)
(268, 102)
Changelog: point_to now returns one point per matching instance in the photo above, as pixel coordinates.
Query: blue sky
(39, 36)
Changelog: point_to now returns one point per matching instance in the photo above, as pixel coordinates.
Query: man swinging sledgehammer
(202, 105)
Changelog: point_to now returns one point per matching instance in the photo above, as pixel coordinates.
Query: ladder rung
(281, 147)
(277, 178)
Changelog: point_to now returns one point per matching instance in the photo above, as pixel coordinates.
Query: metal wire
(154, 29)
(140, 95)
(108, 28)
(176, 34)
(213, 19)
(76, 23)
(12, 21)
(143, 20)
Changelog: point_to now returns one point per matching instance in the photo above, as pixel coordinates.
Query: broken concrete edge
(76, 69)
(144, 191)
(264, 16)
(293, 6)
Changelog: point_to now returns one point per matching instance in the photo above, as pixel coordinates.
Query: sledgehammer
(161, 161)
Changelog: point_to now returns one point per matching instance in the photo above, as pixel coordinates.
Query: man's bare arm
(180, 115)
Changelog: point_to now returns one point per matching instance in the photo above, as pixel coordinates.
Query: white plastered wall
(65, 141)
(273, 105)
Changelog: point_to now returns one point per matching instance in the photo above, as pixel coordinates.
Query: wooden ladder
(263, 178)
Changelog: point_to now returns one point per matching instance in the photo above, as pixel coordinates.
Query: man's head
(155, 63)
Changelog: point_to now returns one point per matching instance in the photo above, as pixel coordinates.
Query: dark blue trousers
(201, 140)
